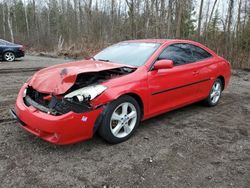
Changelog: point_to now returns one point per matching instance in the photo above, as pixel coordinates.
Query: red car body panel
(64, 76)
(158, 91)
(64, 129)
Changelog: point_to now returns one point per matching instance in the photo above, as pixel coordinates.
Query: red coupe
(116, 89)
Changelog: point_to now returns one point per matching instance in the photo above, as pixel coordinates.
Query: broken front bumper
(64, 129)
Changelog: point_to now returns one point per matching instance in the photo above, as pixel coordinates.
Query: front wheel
(9, 56)
(122, 118)
(215, 93)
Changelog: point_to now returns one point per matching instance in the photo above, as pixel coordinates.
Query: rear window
(4, 42)
(183, 53)
(199, 53)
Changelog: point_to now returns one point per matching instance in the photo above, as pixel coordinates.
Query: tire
(214, 94)
(9, 56)
(121, 119)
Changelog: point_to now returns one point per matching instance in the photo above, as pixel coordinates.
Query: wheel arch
(101, 116)
(9, 50)
(138, 99)
(222, 80)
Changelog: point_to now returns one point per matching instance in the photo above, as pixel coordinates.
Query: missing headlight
(55, 105)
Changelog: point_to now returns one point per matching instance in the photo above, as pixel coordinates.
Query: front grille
(37, 96)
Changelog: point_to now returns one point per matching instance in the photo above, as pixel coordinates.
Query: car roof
(172, 41)
(161, 41)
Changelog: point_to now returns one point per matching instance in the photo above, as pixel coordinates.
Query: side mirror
(163, 64)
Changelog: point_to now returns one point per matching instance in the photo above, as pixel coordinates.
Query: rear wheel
(121, 120)
(9, 56)
(215, 93)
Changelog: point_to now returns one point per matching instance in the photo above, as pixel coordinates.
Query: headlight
(88, 93)
(24, 92)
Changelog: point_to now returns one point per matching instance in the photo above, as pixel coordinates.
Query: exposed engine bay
(79, 102)
(90, 78)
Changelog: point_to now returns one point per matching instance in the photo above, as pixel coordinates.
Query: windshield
(129, 53)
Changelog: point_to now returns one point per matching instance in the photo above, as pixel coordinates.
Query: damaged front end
(78, 97)
(54, 105)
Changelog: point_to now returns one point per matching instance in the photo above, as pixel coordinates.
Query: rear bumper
(64, 129)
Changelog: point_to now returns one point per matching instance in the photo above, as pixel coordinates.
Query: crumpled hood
(59, 78)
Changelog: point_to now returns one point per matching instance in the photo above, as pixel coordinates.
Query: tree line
(89, 25)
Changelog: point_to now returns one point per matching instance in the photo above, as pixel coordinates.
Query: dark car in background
(10, 51)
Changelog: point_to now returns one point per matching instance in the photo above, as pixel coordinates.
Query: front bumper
(64, 129)
(19, 54)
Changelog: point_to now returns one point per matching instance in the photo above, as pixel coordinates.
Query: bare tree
(180, 5)
(199, 19)
(229, 16)
(9, 20)
(4, 22)
(131, 13)
(238, 18)
(26, 18)
(170, 18)
(212, 11)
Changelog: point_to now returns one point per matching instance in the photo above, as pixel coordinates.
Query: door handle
(195, 72)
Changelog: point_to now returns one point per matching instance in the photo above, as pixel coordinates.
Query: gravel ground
(194, 146)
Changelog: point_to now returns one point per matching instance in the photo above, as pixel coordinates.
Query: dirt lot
(191, 147)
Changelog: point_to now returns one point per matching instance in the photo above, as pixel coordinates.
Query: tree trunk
(26, 19)
(80, 16)
(10, 24)
(169, 21)
(179, 19)
(206, 21)
(131, 7)
(112, 19)
(76, 22)
(230, 13)
(15, 19)
(162, 19)
(157, 22)
(199, 19)
(238, 19)
(147, 17)
(48, 20)
(229, 23)
(238, 25)
(4, 22)
(212, 11)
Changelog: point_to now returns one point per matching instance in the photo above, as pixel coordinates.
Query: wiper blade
(105, 60)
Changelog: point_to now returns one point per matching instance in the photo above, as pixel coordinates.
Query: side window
(199, 53)
(179, 53)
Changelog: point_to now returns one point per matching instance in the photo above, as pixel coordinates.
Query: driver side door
(174, 87)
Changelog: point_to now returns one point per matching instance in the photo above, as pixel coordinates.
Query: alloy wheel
(216, 92)
(123, 120)
(9, 56)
